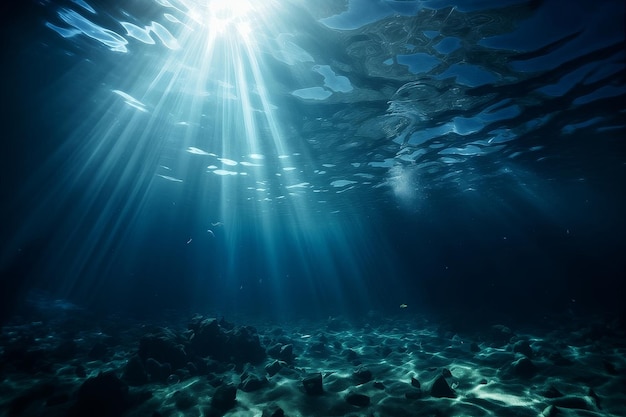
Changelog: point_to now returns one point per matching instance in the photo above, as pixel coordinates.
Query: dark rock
(101, 396)
(522, 346)
(158, 371)
(385, 351)
(499, 335)
(183, 400)
(379, 385)
(98, 351)
(313, 384)
(273, 368)
(66, 350)
(351, 355)
(474, 347)
(134, 372)
(571, 402)
(274, 350)
(57, 399)
(360, 400)
(524, 368)
(552, 393)
(164, 348)
(318, 349)
(19, 405)
(560, 360)
(245, 346)
(610, 368)
(173, 379)
(80, 371)
(445, 372)
(273, 411)
(278, 413)
(415, 383)
(441, 389)
(192, 368)
(595, 397)
(550, 411)
(226, 343)
(286, 353)
(225, 397)
(336, 324)
(28, 359)
(252, 383)
(362, 375)
(413, 395)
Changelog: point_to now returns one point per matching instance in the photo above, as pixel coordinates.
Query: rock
(192, 368)
(80, 371)
(274, 350)
(523, 368)
(313, 384)
(158, 371)
(385, 351)
(610, 368)
(362, 375)
(273, 368)
(164, 348)
(572, 402)
(173, 379)
(445, 372)
(273, 411)
(244, 344)
(441, 389)
(98, 351)
(225, 397)
(252, 383)
(134, 372)
(595, 397)
(379, 385)
(499, 335)
(225, 342)
(20, 405)
(57, 400)
(559, 359)
(415, 383)
(318, 349)
(183, 400)
(360, 400)
(474, 347)
(286, 353)
(552, 393)
(550, 411)
(522, 346)
(350, 355)
(413, 395)
(101, 396)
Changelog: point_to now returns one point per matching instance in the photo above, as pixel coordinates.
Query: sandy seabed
(68, 364)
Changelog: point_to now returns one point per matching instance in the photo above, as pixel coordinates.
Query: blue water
(314, 158)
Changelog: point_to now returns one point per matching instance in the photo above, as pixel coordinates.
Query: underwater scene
(313, 208)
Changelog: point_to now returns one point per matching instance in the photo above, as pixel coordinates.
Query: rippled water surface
(194, 117)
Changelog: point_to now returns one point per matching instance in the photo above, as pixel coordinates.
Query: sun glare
(227, 15)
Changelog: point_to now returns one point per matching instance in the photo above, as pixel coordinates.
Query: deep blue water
(314, 158)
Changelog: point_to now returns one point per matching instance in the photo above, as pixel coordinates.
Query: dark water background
(533, 227)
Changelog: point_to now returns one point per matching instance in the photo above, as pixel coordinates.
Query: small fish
(189, 241)
(209, 231)
(403, 306)
(216, 224)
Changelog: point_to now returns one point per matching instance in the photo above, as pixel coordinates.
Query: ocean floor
(70, 364)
